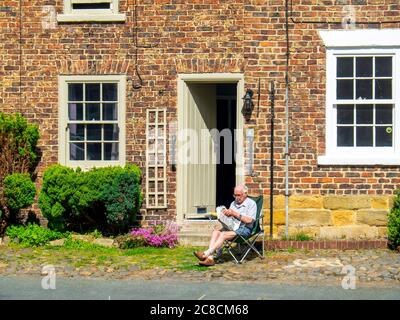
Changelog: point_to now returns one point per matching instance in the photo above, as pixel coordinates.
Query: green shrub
(106, 199)
(33, 235)
(394, 224)
(18, 154)
(58, 187)
(120, 197)
(18, 140)
(19, 191)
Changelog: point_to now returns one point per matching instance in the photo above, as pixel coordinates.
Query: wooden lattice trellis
(156, 158)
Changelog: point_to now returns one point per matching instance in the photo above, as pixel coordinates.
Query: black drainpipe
(271, 198)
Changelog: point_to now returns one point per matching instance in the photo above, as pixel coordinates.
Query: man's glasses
(237, 195)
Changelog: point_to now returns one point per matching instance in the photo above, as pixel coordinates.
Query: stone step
(197, 226)
(196, 232)
(194, 239)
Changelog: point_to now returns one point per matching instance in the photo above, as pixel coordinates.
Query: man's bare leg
(224, 235)
(214, 236)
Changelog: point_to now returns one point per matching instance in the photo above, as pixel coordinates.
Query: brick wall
(9, 53)
(308, 102)
(198, 36)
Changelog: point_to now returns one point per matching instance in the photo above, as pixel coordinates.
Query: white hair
(242, 187)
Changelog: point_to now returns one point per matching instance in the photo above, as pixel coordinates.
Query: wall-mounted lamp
(248, 104)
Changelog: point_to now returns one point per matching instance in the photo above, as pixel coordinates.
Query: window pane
(110, 92)
(364, 67)
(383, 66)
(111, 151)
(364, 114)
(363, 89)
(384, 114)
(364, 136)
(110, 111)
(383, 89)
(344, 67)
(75, 91)
(345, 136)
(76, 132)
(76, 151)
(344, 89)
(384, 136)
(75, 111)
(92, 111)
(345, 114)
(94, 151)
(110, 132)
(93, 132)
(93, 92)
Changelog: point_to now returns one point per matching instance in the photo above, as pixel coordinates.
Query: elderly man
(244, 209)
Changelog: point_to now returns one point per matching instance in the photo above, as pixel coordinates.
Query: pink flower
(157, 235)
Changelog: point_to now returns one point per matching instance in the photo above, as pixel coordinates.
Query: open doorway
(211, 110)
(226, 121)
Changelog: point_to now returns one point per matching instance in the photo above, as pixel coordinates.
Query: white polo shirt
(248, 208)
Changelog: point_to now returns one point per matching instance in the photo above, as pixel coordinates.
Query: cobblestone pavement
(331, 267)
(314, 267)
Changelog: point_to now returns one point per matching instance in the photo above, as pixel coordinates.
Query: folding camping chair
(249, 242)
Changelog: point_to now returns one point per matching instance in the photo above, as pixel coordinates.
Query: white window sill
(346, 160)
(361, 38)
(91, 17)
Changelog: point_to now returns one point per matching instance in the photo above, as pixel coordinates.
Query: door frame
(183, 81)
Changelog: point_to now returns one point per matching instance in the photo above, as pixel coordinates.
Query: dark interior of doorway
(226, 119)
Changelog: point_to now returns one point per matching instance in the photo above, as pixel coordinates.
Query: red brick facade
(198, 36)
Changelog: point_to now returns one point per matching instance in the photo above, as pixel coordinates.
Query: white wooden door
(200, 114)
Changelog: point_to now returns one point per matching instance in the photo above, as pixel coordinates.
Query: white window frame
(91, 15)
(63, 132)
(360, 43)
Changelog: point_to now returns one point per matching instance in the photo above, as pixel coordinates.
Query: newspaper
(229, 222)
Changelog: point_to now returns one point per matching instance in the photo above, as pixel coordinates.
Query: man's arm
(232, 213)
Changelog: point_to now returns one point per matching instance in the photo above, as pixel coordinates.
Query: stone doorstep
(198, 226)
(196, 232)
(194, 239)
(326, 244)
